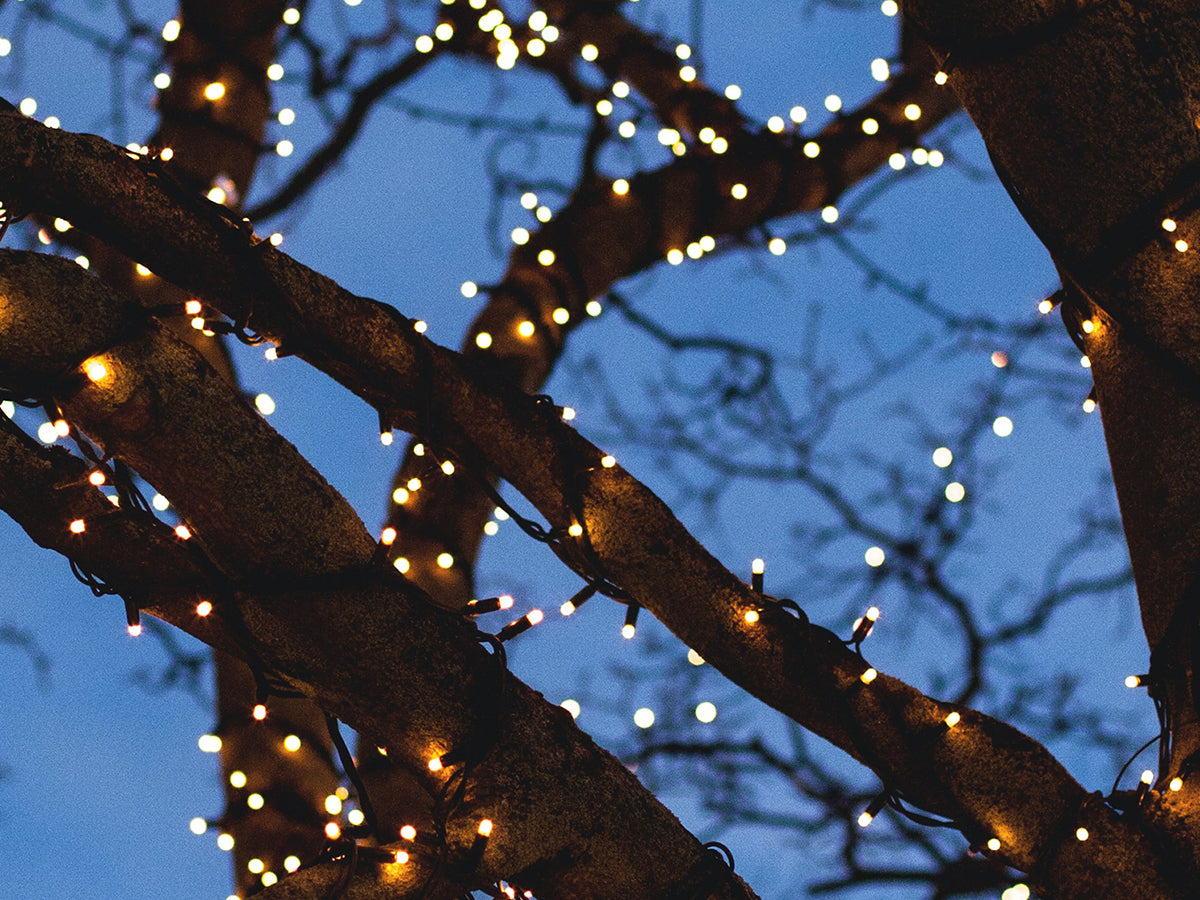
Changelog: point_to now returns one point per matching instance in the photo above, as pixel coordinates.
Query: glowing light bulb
(209, 743)
(408, 832)
(445, 560)
(874, 557)
(485, 827)
(214, 91)
(706, 712)
(952, 719)
(204, 608)
(1081, 834)
(571, 706)
(77, 526)
(259, 712)
(608, 461)
(868, 676)
(751, 616)
(291, 743)
(644, 717)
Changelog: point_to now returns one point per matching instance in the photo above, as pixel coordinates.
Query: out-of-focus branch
(988, 778)
(602, 236)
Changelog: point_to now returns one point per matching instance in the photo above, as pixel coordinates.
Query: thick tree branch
(1070, 97)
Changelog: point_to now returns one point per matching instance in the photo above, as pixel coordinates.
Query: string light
(569, 607)
(1144, 784)
(757, 569)
(491, 604)
(868, 815)
(517, 626)
(863, 626)
(209, 743)
(629, 629)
